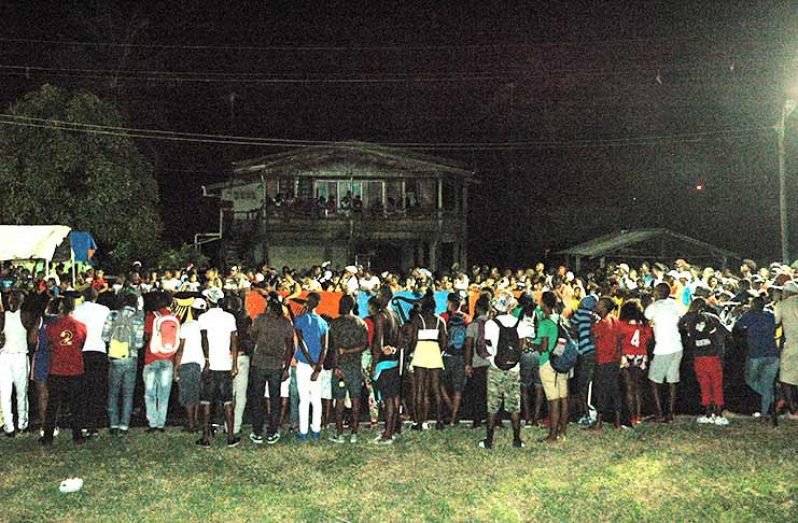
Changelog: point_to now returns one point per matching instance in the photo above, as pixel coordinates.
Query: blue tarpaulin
(440, 302)
(83, 245)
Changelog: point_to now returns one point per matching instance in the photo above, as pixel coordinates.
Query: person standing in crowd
(189, 363)
(385, 360)
(14, 365)
(453, 365)
(504, 384)
(95, 360)
(476, 366)
(219, 336)
(273, 336)
(123, 331)
(41, 357)
(704, 335)
(348, 340)
(608, 360)
(312, 332)
(527, 313)
(786, 314)
(555, 384)
(428, 336)
(235, 306)
(65, 338)
(635, 334)
(665, 313)
(158, 371)
(762, 360)
(584, 318)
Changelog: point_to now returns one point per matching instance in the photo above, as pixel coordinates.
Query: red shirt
(149, 321)
(634, 338)
(65, 338)
(606, 334)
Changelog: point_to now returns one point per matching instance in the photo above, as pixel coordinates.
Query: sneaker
(704, 420)
(485, 445)
(756, 415)
(721, 420)
(274, 438)
(301, 437)
(315, 436)
(353, 438)
(202, 442)
(257, 439)
(380, 441)
(585, 421)
(337, 439)
(792, 416)
(233, 442)
(519, 444)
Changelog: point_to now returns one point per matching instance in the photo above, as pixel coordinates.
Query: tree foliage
(95, 182)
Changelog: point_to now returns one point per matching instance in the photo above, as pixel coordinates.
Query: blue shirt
(760, 332)
(313, 327)
(583, 317)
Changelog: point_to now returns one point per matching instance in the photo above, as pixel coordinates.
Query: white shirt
(665, 316)
(93, 316)
(192, 348)
(15, 333)
(218, 324)
(170, 285)
(492, 337)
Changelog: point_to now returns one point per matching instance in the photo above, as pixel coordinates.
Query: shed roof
(609, 244)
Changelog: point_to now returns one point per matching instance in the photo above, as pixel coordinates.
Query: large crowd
(542, 346)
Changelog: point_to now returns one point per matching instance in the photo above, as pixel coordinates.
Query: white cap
(199, 304)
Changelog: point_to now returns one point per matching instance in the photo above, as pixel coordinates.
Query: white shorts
(284, 388)
(325, 377)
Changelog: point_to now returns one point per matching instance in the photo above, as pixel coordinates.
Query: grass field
(680, 472)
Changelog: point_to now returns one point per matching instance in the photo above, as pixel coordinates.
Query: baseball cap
(199, 304)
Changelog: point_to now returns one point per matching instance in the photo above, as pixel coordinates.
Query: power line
(14, 120)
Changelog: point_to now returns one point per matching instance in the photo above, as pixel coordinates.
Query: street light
(786, 110)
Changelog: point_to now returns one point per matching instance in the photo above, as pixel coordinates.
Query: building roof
(615, 243)
(351, 151)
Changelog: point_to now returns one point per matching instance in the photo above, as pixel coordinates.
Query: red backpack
(165, 334)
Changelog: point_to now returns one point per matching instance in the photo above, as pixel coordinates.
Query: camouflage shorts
(503, 385)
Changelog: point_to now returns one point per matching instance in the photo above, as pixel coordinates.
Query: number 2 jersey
(65, 339)
(634, 337)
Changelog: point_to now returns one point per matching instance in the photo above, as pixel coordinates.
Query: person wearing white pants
(311, 349)
(309, 397)
(14, 365)
(240, 385)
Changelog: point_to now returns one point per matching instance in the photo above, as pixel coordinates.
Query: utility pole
(787, 108)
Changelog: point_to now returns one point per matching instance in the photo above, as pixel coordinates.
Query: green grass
(681, 472)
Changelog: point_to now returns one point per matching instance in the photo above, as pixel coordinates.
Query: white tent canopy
(23, 242)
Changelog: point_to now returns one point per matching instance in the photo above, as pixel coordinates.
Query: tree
(96, 182)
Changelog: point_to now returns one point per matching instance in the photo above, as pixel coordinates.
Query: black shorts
(352, 383)
(606, 390)
(453, 372)
(388, 384)
(217, 382)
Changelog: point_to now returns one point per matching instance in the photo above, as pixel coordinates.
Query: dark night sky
(693, 85)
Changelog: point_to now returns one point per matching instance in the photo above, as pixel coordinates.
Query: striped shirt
(584, 317)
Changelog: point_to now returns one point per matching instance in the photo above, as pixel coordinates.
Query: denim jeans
(260, 377)
(760, 375)
(157, 385)
(121, 381)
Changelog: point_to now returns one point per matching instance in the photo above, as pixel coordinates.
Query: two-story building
(347, 203)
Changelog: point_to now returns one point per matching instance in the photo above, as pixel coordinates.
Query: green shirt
(547, 328)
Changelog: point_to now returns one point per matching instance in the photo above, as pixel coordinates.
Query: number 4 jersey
(65, 339)
(634, 337)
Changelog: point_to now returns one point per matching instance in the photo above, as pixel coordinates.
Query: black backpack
(456, 333)
(508, 351)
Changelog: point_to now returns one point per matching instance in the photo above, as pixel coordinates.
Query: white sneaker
(703, 420)
(353, 438)
(791, 416)
(757, 415)
(722, 421)
(337, 439)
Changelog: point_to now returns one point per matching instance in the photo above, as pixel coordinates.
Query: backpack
(564, 355)
(508, 351)
(165, 334)
(122, 336)
(455, 333)
(480, 345)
